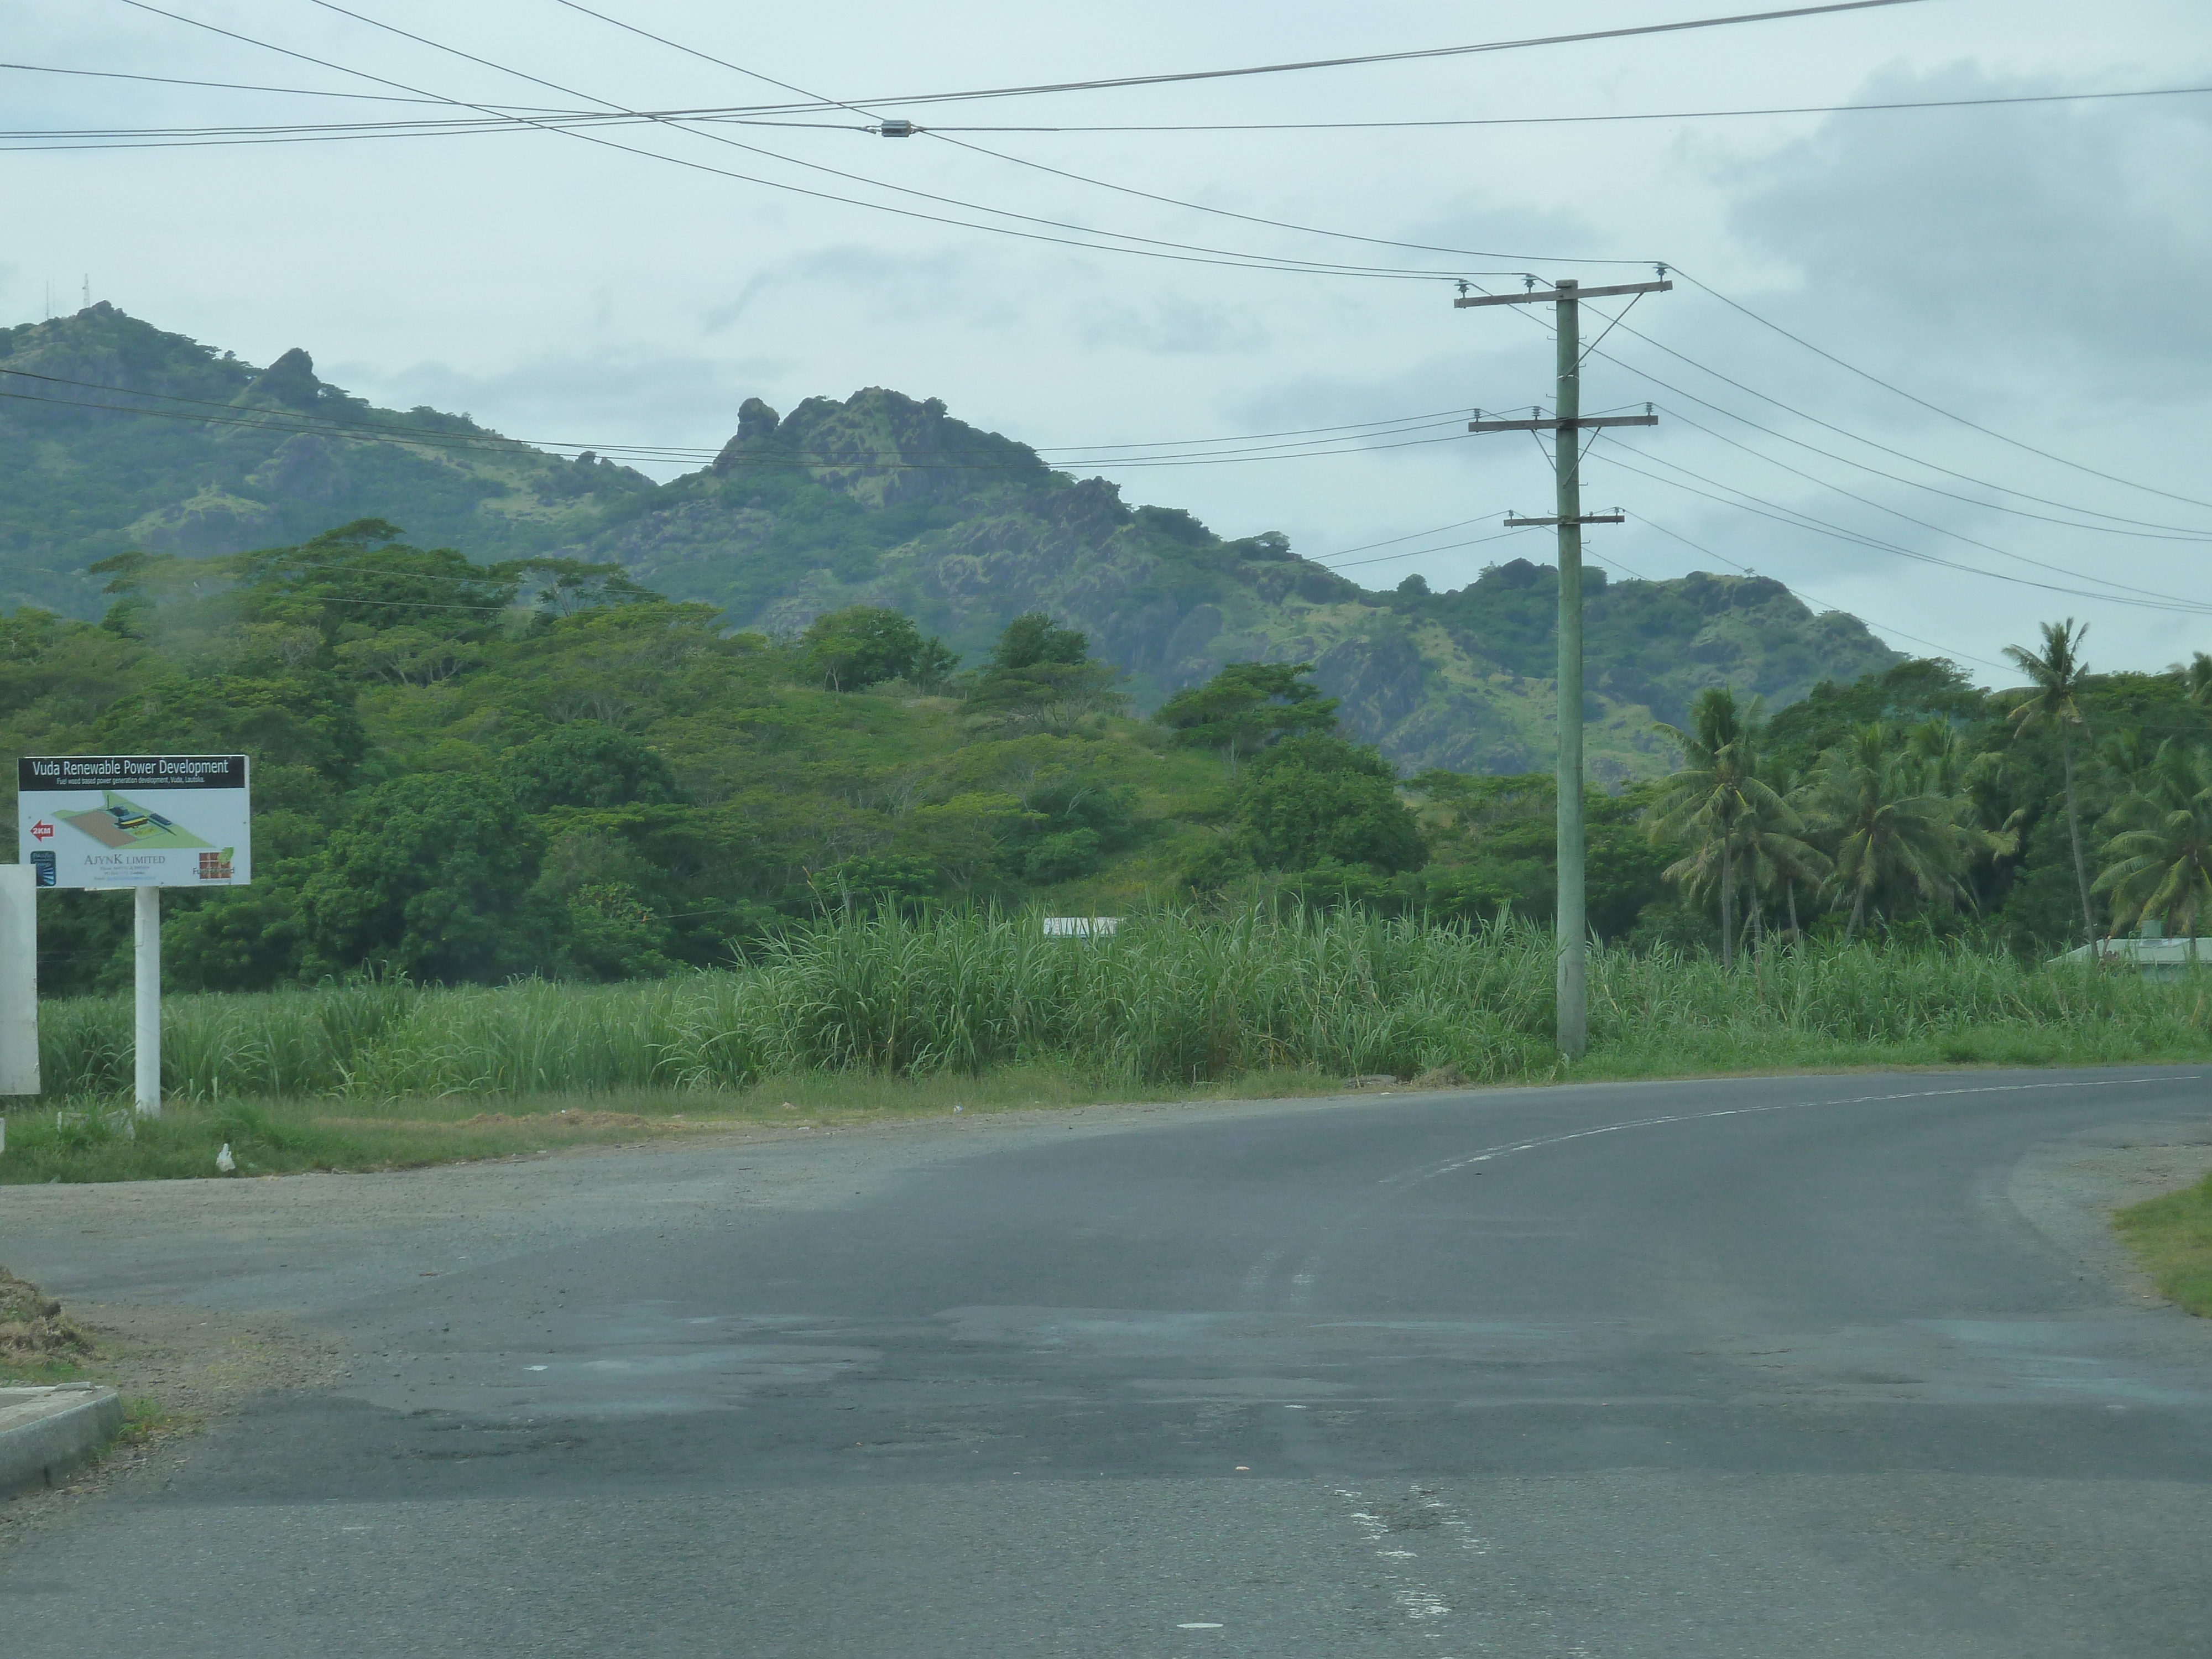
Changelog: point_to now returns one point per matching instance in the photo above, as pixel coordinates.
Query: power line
(425, 438)
(1867, 500)
(1271, 261)
(1412, 536)
(2149, 530)
(1040, 166)
(1844, 432)
(1936, 409)
(1798, 520)
(221, 85)
(1418, 553)
(1162, 251)
(1384, 427)
(1576, 120)
(187, 136)
(1117, 81)
(309, 92)
(1932, 645)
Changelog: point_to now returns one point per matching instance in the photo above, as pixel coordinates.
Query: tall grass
(1168, 999)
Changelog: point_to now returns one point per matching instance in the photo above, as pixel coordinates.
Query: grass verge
(2171, 1236)
(283, 1137)
(341, 1134)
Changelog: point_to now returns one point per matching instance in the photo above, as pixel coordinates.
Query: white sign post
(144, 822)
(19, 986)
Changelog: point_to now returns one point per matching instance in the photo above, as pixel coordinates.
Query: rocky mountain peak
(290, 381)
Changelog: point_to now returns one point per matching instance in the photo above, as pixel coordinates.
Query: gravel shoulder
(2068, 1189)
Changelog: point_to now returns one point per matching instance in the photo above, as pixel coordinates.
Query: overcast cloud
(2041, 269)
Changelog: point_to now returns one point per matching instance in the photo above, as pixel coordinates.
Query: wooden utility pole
(1566, 426)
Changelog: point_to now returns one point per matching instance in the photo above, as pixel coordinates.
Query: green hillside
(881, 500)
(466, 772)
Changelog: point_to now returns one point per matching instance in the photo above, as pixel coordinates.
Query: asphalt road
(1770, 1367)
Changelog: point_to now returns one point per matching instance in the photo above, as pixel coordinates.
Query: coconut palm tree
(1778, 852)
(1716, 801)
(2197, 677)
(2126, 757)
(1813, 868)
(1945, 763)
(2056, 678)
(1888, 835)
(2160, 864)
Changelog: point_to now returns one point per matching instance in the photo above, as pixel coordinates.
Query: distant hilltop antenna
(87, 290)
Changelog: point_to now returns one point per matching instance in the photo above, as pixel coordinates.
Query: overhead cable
(1115, 82)
(1798, 520)
(1577, 120)
(1345, 442)
(1123, 245)
(1933, 409)
(1933, 645)
(2149, 530)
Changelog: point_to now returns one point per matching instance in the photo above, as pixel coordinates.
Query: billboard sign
(134, 820)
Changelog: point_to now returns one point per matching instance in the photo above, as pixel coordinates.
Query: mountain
(115, 436)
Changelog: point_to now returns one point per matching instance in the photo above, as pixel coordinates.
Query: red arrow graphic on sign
(42, 830)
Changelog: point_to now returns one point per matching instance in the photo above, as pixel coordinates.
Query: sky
(2040, 274)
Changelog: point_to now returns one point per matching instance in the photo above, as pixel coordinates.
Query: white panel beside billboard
(135, 820)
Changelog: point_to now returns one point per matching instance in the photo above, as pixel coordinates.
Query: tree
(864, 645)
(587, 763)
(427, 877)
(2160, 863)
(1043, 673)
(2198, 678)
(1944, 762)
(1246, 707)
(1069, 823)
(2057, 676)
(1776, 852)
(1888, 836)
(2126, 757)
(1720, 805)
(1314, 799)
(1033, 639)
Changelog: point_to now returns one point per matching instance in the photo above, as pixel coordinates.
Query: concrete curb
(46, 1433)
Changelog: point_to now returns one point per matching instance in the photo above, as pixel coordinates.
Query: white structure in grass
(1080, 926)
(18, 984)
(2150, 952)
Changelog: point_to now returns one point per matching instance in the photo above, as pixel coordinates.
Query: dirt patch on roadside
(34, 1332)
(201, 1365)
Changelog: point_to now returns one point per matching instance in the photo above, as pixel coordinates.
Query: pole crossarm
(1586, 517)
(1550, 296)
(1582, 425)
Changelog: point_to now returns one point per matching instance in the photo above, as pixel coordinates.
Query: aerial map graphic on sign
(134, 820)
(120, 822)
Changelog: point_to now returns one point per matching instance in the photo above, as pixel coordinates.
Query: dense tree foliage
(1317, 799)
(864, 644)
(467, 771)
(1043, 674)
(1247, 706)
(2078, 802)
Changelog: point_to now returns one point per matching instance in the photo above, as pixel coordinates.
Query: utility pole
(1566, 426)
